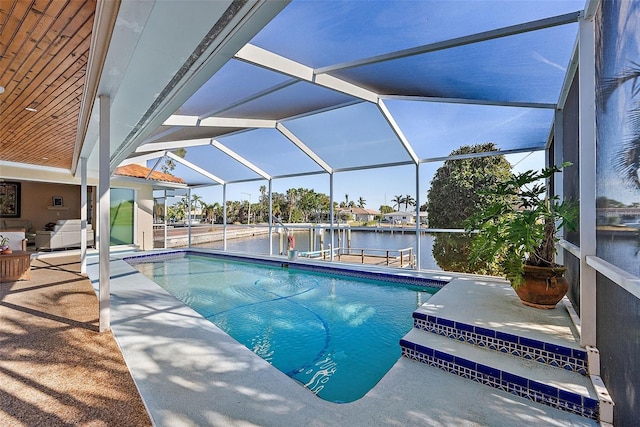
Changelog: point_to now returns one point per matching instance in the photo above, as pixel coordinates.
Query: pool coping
(189, 372)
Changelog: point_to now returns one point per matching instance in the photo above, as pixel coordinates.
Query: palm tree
(264, 202)
(397, 201)
(627, 160)
(292, 200)
(408, 201)
(361, 202)
(197, 202)
(209, 211)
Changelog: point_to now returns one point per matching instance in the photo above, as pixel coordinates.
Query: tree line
(295, 206)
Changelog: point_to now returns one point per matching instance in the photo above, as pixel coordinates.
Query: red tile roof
(137, 171)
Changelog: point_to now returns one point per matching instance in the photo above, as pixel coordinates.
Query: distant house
(405, 217)
(360, 214)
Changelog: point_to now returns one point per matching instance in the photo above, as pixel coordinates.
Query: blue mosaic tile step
(558, 356)
(519, 378)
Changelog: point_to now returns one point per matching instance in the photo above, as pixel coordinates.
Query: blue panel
(530, 67)
(435, 129)
(190, 176)
(348, 137)
(293, 100)
(234, 82)
(321, 33)
(219, 164)
(270, 151)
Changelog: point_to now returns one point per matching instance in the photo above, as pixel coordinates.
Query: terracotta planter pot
(6, 251)
(544, 287)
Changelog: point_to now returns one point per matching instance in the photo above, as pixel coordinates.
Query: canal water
(359, 239)
(624, 253)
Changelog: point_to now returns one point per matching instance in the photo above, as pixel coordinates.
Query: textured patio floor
(55, 368)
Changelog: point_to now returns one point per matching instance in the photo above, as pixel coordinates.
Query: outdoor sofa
(66, 233)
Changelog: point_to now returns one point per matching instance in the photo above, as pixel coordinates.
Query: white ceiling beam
(396, 129)
(483, 154)
(345, 87)
(237, 157)
(195, 168)
(228, 122)
(274, 62)
(172, 145)
(302, 146)
(459, 41)
(267, 59)
(180, 120)
(469, 101)
(231, 122)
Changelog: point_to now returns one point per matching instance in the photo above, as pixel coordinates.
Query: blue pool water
(335, 335)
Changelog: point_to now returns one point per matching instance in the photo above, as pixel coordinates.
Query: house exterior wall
(143, 217)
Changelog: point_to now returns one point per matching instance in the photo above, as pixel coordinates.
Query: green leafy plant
(521, 227)
(4, 241)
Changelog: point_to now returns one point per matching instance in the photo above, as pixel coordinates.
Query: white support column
(270, 218)
(587, 156)
(165, 219)
(83, 215)
(558, 157)
(224, 217)
(103, 214)
(189, 217)
(418, 246)
(331, 216)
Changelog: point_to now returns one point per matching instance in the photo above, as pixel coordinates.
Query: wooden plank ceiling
(44, 47)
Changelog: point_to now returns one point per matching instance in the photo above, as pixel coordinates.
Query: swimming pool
(336, 335)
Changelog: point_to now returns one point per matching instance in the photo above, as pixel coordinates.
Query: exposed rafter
(239, 158)
(469, 101)
(195, 168)
(271, 61)
(396, 129)
(483, 154)
(303, 147)
(225, 122)
(172, 145)
(143, 158)
(460, 41)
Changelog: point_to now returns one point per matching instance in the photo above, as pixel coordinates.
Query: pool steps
(545, 372)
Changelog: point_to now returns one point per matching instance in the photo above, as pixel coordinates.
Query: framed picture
(57, 201)
(9, 199)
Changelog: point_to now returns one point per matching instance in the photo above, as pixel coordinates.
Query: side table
(15, 266)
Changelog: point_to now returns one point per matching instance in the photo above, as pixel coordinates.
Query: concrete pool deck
(190, 373)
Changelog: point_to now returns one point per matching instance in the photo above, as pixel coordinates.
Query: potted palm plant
(518, 232)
